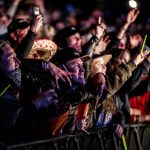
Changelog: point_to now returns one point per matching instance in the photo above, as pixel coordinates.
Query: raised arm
(24, 47)
(131, 17)
(119, 76)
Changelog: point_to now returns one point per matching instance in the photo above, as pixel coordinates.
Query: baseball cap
(67, 54)
(18, 24)
(63, 34)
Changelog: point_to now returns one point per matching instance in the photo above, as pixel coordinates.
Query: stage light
(132, 3)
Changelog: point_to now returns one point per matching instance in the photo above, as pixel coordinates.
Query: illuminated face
(9, 61)
(97, 65)
(76, 66)
(75, 42)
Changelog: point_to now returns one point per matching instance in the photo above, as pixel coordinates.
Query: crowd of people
(64, 74)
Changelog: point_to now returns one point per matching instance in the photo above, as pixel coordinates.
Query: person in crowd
(56, 39)
(98, 70)
(121, 39)
(122, 97)
(10, 108)
(22, 33)
(130, 18)
(71, 32)
(38, 104)
(64, 94)
(139, 99)
(54, 118)
(12, 74)
(70, 37)
(119, 56)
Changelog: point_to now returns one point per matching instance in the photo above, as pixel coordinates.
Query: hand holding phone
(36, 11)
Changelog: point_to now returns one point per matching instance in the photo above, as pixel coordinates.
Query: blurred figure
(10, 109)
(70, 37)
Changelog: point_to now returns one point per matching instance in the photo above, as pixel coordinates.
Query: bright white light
(132, 3)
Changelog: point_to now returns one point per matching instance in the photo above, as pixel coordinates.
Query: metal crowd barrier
(137, 137)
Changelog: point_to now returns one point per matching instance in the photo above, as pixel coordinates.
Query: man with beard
(10, 108)
(21, 35)
(53, 119)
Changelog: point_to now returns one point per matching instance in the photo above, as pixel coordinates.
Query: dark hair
(116, 59)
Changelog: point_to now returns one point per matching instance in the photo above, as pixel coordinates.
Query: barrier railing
(137, 137)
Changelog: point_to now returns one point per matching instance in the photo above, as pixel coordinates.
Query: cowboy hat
(98, 58)
(43, 49)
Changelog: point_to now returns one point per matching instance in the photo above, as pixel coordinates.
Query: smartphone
(36, 11)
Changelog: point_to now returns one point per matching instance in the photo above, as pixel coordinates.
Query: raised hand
(59, 74)
(100, 28)
(36, 24)
(141, 56)
(132, 15)
(101, 47)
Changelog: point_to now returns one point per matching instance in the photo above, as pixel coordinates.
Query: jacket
(114, 82)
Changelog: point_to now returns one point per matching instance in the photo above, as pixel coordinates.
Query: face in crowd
(75, 42)
(76, 67)
(8, 59)
(124, 57)
(98, 65)
(19, 34)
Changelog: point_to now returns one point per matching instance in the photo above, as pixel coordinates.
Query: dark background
(116, 7)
